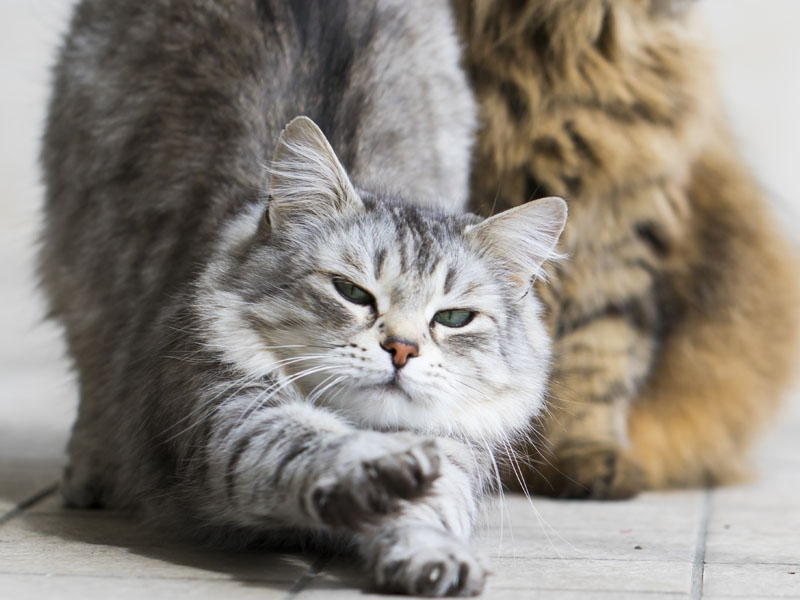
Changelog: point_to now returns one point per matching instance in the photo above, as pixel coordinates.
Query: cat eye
(350, 291)
(456, 317)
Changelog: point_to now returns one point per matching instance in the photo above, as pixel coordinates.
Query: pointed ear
(307, 181)
(523, 237)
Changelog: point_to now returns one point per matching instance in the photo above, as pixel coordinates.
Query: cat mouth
(393, 385)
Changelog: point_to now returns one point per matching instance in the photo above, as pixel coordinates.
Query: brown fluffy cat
(675, 320)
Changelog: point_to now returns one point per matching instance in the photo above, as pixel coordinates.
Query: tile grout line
(306, 578)
(29, 503)
(699, 561)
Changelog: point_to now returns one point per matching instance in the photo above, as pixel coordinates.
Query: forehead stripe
(449, 280)
(380, 258)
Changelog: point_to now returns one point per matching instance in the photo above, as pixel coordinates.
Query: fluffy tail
(724, 367)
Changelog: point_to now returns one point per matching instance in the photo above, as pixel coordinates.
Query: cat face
(395, 316)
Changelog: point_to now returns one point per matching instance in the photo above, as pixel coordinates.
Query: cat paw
(598, 473)
(370, 489)
(429, 562)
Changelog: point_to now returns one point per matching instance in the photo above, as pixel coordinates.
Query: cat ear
(523, 237)
(307, 181)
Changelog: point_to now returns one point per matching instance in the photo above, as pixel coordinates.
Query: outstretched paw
(429, 562)
(372, 488)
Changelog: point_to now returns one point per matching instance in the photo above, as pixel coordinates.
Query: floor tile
(76, 527)
(741, 545)
(760, 596)
(751, 512)
(590, 575)
(751, 580)
(587, 543)
(560, 594)
(60, 587)
(115, 547)
(652, 511)
(23, 479)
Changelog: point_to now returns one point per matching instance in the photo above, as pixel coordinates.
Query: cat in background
(329, 350)
(675, 321)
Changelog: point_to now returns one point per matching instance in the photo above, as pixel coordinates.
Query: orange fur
(721, 372)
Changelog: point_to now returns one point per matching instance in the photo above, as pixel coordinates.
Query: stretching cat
(281, 355)
(675, 320)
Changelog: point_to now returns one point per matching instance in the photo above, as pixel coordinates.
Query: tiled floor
(739, 542)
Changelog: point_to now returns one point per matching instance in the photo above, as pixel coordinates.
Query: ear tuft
(307, 181)
(523, 237)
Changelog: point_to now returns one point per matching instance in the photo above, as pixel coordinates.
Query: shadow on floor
(109, 543)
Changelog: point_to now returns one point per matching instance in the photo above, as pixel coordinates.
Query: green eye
(456, 317)
(353, 293)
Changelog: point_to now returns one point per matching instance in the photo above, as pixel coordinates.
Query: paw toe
(439, 568)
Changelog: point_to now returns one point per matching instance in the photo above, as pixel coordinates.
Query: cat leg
(600, 366)
(410, 503)
(90, 475)
(88, 478)
(298, 467)
(605, 322)
(424, 549)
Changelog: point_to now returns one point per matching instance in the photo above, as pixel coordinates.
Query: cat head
(393, 315)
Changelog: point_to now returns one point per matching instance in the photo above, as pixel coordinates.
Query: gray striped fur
(228, 391)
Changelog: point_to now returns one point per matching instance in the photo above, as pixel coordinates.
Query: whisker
(542, 521)
(259, 402)
(499, 483)
(244, 383)
(316, 395)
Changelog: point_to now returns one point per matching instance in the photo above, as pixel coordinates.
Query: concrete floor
(737, 542)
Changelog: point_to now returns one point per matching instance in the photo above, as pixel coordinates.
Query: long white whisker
(247, 381)
(316, 395)
(261, 400)
(499, 481)
(244, 382)
(542, 521)
(338, 392)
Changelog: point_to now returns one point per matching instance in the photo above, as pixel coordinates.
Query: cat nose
(401, 351)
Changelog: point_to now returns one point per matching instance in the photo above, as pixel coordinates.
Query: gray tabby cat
(288, 353)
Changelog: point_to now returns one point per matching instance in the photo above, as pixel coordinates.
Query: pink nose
(401, 351)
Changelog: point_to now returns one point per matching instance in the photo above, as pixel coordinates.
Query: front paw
(598, 473)
(370, 489)
(429, 562)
